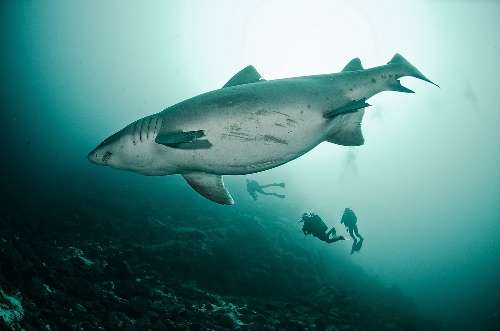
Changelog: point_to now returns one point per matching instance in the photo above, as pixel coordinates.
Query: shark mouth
(106, 157)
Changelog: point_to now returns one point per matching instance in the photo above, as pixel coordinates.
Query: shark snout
(93, 157)
(99, 156)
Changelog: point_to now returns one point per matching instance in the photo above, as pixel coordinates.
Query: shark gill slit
(155, 119)
(140, 129)
(157, 128)
(148, 127)
(134, 133)
(160, 123)
(156, 123)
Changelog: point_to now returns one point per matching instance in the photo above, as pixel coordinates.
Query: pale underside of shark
(251, 125)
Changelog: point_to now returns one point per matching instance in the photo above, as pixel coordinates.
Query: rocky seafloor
(75, 267)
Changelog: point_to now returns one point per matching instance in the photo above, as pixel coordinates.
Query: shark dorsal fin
(353, 65)
(246, 75)
(210, 186)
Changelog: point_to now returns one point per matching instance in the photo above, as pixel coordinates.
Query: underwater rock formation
(11, 309)
(105, 269)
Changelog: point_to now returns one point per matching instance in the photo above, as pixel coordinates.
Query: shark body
(251, 125)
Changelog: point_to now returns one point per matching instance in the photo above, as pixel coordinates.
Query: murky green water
(425, 185)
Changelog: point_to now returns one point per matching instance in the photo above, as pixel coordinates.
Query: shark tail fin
(347, 129)
(408, 69)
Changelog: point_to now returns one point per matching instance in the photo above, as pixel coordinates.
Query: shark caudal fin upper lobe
(346, 129)
(404, 68)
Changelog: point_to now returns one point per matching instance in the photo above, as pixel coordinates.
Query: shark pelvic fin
(185, 140)
(246, 75)
(210, 186)
(347, 130)
(353, 65)
(350, 107)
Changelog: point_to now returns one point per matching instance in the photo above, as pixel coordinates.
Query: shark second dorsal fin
(210, 186)
(353, 65)
(246, 75)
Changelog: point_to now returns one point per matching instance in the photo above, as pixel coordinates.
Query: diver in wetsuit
(313, 224)
(253, 187)
(350, 221)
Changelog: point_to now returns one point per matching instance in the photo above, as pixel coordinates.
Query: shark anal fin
(246, 75)
(347, 108)
(181, 139)
(210, 186)
(353, 65)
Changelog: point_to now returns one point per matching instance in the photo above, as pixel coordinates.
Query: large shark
(251, 125)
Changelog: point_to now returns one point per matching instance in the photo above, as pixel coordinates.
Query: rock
(320, 324)
(11, 309)
(158, 325)
(138, 306)
(119, 268)
(143, 323)
(225, 320)
(80, 308)
(117, 321)
(81, 288)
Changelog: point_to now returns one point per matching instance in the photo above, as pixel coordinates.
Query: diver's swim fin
(210, 186)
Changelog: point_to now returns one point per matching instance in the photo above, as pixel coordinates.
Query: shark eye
(106, 157)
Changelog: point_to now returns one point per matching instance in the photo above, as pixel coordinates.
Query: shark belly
(248, 141)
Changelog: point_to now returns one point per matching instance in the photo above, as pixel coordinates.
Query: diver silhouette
(350, 221)
(253, 187)
(313, 224)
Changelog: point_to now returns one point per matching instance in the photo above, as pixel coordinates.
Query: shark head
(134, 148)
(109, 152)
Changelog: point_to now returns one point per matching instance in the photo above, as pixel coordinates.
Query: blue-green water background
(425, 186)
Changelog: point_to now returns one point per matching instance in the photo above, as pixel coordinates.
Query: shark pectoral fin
(347, 108)
(210, 186)
(246, 75)
(353, 65)
(185, 140)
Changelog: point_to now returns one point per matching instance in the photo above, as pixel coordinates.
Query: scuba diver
(313, 224)
(349, 219)
(253, 187)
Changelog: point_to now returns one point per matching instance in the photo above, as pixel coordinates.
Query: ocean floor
(79, 268)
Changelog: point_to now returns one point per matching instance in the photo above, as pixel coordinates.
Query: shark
(251, 125)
